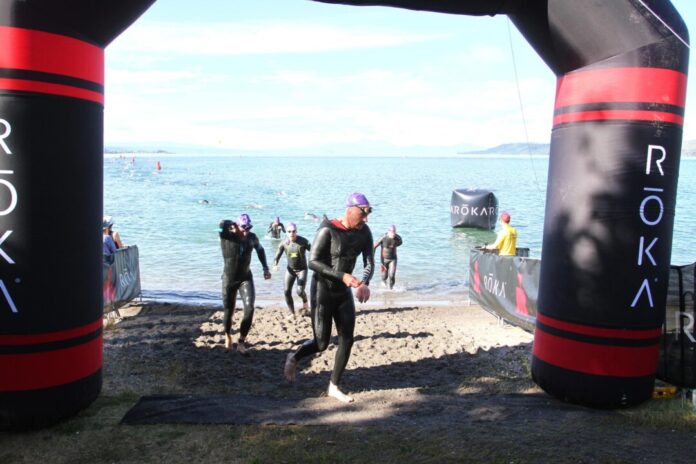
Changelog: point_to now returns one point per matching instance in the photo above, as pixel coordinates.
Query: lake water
(172, 214)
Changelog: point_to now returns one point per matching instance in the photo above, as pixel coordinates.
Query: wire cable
(519, 98)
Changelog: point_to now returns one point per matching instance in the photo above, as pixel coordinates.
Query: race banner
(507, 286)
(121, 282)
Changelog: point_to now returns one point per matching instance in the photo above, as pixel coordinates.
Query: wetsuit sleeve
(261, 253)
(279, 253)
(368, 260)
(282, 227)
(397, 240)
(321, 254)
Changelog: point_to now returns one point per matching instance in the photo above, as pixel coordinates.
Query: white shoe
(334, 392)
(290, 367)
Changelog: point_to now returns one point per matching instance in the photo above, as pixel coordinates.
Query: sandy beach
(398, 351)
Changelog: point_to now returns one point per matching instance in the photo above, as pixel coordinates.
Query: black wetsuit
(388, 257)
(296, 270)
(334, 252)
(275, 229)
(236, 253)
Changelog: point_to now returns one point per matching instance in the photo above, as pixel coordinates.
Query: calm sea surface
(172, 214)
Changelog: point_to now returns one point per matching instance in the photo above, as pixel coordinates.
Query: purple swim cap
(244, 221)
(392, 228)
(357, 199)
(292, 226)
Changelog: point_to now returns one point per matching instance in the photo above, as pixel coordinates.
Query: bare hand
(362, 293)
(350, 281)
(275, 268)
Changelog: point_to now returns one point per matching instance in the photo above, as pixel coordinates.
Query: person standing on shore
(237, 242)
(506, 241)
(295, 246)
(389, 242)
(275, 228)
(335, 249)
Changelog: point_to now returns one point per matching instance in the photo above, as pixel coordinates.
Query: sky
(297, 76)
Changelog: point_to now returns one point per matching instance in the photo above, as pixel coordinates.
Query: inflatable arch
(615, 149)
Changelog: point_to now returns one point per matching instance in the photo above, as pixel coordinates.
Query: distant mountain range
(688, 149)
(512, 149)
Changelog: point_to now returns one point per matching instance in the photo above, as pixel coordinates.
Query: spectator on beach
(275, 228)
(295, 246)
(237, 242)
(335, 249)
(108, 245)
(113, 233)
(506, 241)
(389, 242)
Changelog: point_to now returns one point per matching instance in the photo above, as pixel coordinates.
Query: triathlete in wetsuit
(389, 242)
(275, 228)
(335, 249)
(295, 246)
(237, 242)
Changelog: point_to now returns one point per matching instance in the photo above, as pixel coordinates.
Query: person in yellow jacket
(506, 242)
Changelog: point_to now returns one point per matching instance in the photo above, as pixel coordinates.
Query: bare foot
(304, 311)
(228, 341)
(334, 392)
(242, 349)
(290, 367)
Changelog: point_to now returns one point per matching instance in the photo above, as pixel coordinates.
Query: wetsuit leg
(384, 268)
(229, 299)
(344, 317)
(290, 277)
(322, 310)
(248, 294)
(392, 272)
(301, 282)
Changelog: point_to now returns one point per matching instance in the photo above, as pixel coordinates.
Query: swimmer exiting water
(237, 242)
(335, 249)
(275, 228)
(296, 247)
(389, 242)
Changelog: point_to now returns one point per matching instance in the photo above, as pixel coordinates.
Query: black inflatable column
(51, 164)
(611, 196)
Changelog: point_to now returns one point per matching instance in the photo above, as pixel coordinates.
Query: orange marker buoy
(159, 166)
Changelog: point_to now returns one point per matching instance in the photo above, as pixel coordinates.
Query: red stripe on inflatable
(47, 337)
(21, 85)
(590, 358)
(633, 85)
(51, 368)
(627, 115)
(40, 51)
(631, 334)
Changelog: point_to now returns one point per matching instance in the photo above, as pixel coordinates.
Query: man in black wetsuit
(389, 242)
(275, 228)
(335, 249)
(295, 246)
(237, 242)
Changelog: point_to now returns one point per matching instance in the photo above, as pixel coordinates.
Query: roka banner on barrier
(121, 278)
(505, 285)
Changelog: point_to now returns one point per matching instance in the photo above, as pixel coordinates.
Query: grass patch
(671, 413)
